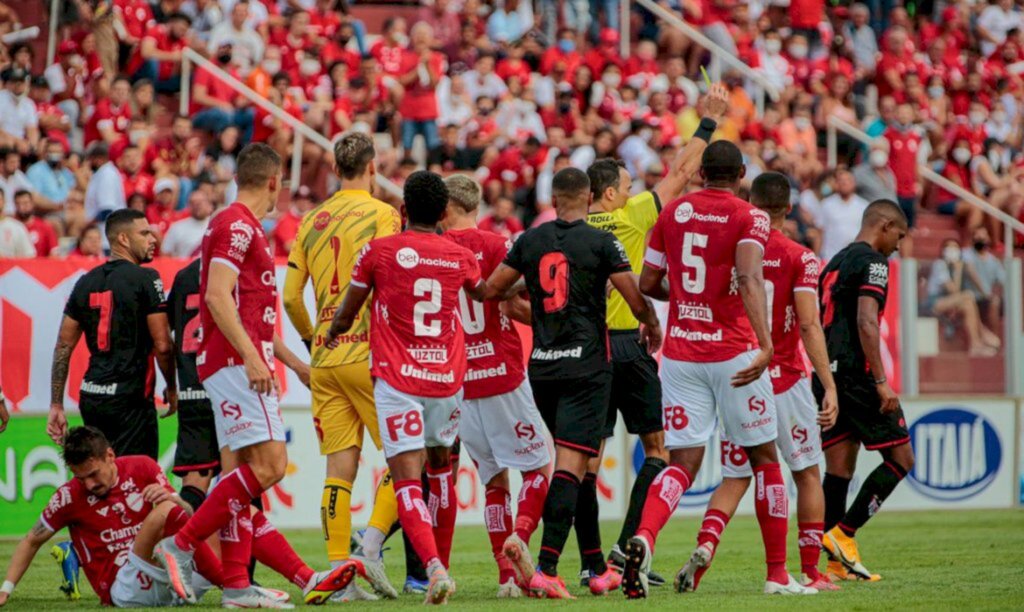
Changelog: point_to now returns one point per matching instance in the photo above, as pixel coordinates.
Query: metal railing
(303, 132)
(720, 55)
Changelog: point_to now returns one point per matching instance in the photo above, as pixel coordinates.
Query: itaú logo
(957, 454)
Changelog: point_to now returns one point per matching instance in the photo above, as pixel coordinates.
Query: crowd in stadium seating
(509, 91)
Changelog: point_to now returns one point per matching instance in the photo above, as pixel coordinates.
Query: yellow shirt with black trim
(329, 240)
(630, 224)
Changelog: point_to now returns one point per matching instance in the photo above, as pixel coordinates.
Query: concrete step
(956, 372)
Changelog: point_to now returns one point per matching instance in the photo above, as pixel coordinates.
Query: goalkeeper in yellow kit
(329, 240)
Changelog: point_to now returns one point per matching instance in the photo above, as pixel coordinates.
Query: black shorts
(575, 409)
(636, 388)
(860, 417)
(197, 439)
(128, 422)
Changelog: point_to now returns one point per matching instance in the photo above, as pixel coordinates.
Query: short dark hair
(84, 443)
(352, 154)
(120, 78)
(22, 192)
(570, 183)
(425, 196)
(604, 173)
(256, 164)
(179, 16)
(722, 161)
(883, 210)
(120, 220)
(770, 192)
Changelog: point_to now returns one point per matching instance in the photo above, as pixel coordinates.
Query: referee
(636, 389)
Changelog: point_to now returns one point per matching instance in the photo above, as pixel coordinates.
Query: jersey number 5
(431, 289)
(554, 280)
(695, 275)
(104, 302)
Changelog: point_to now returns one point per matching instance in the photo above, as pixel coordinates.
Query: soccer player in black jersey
(120, 308)
(197, 458)
(852, 291)
(567, 265)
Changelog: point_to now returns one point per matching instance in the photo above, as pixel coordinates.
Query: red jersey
(143, 182)
(888, 62)
(788, 268)
(695, 239)
(420, 101)
(510, 228)
(903, 149)
(389, 57)
(215, 87)
(136, 16)
(43, 236)
(285, 231)
(103, 529)
(493, 349)
(235, 238)
(107, 116)
(161, 35)
(416, 340)
(161, 217)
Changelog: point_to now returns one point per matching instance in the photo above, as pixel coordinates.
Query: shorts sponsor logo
(480, 350)
(421, 374)
(480, 374)
(757, 404)
(432, 355)
(957, 454)
(759, 423)
(230, 411)
(695, 312)
(525, 431)
(552, 355)
(361, 337)
(93, 388)
(799, 434)
(529, 449)
(696, 336)
(775, 371)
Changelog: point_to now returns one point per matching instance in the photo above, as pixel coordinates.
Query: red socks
(443, 507)
(271, 549)
(233, 492)
(662, 499)
(236, 549)
(810, 548)
(712, 527)
(531, 504)
(772, 509)
(415, 520)
(498, 520)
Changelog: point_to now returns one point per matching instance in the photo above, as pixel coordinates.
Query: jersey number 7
(104, 302)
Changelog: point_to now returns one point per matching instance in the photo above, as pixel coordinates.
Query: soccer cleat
(252, 597)
(516, 551)
(837, 572)
(605, 583)
(277, 594)
(415, 586)
(822, 583)
(584, 578)
(66, 557)
(324, 584)
(616, 560)
(353, 592)
(441, 585)
(178, 564)
(543, 586)
(509, 590)
(843, 548)
(374, 573)
(689, 576)
(792, 587)
(638, 564)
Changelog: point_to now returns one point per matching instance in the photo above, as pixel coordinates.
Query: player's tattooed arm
(24, 553)
(345, 315)
(67, 339)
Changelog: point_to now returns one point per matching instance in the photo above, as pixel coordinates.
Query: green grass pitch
(967, 560)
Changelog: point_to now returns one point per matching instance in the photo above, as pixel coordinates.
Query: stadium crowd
(510, 92)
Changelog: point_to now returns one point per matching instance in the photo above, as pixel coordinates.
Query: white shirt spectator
(12, 185)
(519, 120)
(247, 45)
(105, 193)
(258, 13)
(775, 68)
(17, 114)
(58, 81)
(997, 22)
(452, 110)
(491, 85)
(184, 237)
(839, 221)
(637, 154)
(14, 239)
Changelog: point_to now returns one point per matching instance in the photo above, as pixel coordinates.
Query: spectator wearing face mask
(798, 138)
(158, 56)
(996, 181)
(245, 42)
(563, 51)
(986, 278)
(875, 179)
(50, 176)
(906, 150)
(958, 171)
(105, 193)
(839, 215)
(949, 299)
(215, 104)
(773, 65)
(19, 121)
(973, 130)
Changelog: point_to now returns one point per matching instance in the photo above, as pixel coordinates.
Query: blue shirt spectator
(50, 177)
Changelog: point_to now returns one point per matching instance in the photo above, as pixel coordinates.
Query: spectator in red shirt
(163, 211)
(894, 64)
(112, 116)
(287, 226)
(158, 57)
(294, 42)
(215, 104)
(958, 171)
(606, 52)
(514, 66)
(502, 220)
(564, 51)
(445, 22)
(137, 17)
(422, 68)
(42, 234)
(134, 178)
(337, 49)
(390, 48)
(663, 120)
(904, 148)
(54, 124)
(90, 243)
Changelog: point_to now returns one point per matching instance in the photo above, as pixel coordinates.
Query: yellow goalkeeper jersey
(330, 238)
(630, 224)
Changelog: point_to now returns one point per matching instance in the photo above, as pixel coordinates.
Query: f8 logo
(410, 423)
(733, 454)
(675, 418)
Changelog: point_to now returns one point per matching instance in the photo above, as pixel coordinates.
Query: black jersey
(183, 315)
(566, 267)
(856, 271)
(111, 303)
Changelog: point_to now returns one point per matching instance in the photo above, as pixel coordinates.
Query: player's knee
(807, 477)
(500, 480)
(270, 470)
(901, 456)
(763, 454)
(439, 457)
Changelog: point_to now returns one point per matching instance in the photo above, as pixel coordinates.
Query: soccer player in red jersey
(500, 425)
(419, 362)
(791, 282)
(717, 348)
(235, 364)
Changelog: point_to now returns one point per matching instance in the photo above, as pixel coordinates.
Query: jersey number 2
(431, 289)
(554, 280)
(104, 302)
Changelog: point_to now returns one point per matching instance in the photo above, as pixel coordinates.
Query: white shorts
(799, 437)
(504, 432)
(242, 416)
(409, 423)
(691, 391)
(142, 585)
